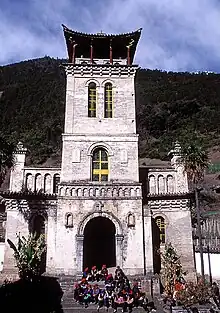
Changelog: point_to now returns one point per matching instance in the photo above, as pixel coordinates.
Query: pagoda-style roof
(101, 44)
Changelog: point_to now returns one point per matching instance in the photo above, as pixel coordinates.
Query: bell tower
(99, 173)
(100, 107)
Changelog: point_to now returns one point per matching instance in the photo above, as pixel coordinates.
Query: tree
(6, 157)
(172, 270)
(28, 255)
(194, 158)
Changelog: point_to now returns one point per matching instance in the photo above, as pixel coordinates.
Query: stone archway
(99, 243)
(88, 224)
(38, 227)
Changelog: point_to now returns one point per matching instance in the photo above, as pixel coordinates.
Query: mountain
(169, 105)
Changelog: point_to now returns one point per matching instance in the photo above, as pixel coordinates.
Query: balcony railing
(211, 245)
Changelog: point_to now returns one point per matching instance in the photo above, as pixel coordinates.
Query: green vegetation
(172, 270)
(6, 157)
(29, 255)
(170, 106)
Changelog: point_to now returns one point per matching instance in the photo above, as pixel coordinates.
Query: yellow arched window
(100, 166)
(162, 228)
(108, 100)
(92, 99)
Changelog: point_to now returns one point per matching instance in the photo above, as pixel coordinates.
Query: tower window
(56, 181)
(92, 100)
(161, 226)
(108, 100)
(100, 165)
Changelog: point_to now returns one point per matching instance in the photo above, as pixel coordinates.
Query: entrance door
(99, 243)
(38, 228)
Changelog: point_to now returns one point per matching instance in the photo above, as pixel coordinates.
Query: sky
(178, 35)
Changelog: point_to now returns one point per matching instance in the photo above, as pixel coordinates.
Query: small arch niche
(131, 220)
(69, 220)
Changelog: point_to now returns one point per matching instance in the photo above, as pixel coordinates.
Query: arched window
(108, 100)
(56, 181)
(92, 99)
(152, 184)
(29, 182)
(38, 182)
(170, 184)
(100, 166)
(161, 184)
(47, 183)
(162, 228)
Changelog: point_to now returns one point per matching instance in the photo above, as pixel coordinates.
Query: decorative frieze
(107, 191)
(168, 205)
(100, 70)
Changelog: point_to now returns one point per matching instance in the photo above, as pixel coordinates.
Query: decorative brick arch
(92, 80)
(108, 215)
(108, 81)
(100, 145)
(118, 237)
(158, 214)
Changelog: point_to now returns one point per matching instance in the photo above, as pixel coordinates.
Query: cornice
(100, 70)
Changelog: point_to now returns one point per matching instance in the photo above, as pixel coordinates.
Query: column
(79, 252)
(51, 241)
(119, 255)
(110, 53)
(128, 56)
(91, 51)
(148, 244)
(74, 52)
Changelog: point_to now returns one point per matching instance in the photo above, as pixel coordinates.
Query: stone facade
(78, 200)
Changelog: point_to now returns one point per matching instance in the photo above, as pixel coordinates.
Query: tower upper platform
(101, 46)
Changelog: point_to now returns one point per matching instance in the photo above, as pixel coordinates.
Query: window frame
(92, 99)
(108, 100)
(161, 224)
(99, 164)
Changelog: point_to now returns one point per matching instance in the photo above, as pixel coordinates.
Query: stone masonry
(77, 199)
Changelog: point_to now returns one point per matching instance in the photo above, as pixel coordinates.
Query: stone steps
(69, 305)
(93, 309)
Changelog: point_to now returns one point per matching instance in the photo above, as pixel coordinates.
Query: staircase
(70, 306)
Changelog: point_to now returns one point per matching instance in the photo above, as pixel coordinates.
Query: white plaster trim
(92, 80)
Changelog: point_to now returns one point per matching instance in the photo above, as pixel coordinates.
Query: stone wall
(129, 240)
(178, 228)
(77, 153)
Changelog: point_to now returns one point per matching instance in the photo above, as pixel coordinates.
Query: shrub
(28, 255)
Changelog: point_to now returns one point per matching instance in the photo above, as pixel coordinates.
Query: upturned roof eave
(100, 35)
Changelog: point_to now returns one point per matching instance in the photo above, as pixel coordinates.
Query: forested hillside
(169, 106)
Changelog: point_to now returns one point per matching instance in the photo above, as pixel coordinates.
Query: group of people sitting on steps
(116, 292)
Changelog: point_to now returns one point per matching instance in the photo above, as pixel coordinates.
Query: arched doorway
(38, 228)
(99, 243)
(38, 225)
(156, 247)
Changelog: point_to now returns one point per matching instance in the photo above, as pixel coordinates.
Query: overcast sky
(178, 35)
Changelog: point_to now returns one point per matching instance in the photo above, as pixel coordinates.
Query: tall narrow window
(56, 181)
(100, 166)
(108, 100)
(162, 228)
(92, 100)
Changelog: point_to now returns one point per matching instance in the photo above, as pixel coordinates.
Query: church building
(103, 205)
